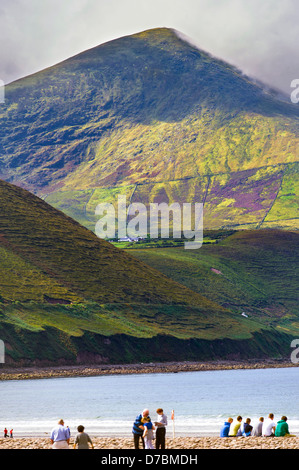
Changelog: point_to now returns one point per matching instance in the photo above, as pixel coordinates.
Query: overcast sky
(261, 37)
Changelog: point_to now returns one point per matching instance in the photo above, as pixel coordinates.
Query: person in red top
(5, 433)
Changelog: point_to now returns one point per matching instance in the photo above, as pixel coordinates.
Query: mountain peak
(163, 39)
(162, 34)
(157, 32)
(145, 110)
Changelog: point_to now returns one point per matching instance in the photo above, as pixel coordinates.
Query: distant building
(129, 239)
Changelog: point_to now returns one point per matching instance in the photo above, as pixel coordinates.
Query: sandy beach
(177, 443)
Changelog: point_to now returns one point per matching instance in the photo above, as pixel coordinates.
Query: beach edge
(92, 370)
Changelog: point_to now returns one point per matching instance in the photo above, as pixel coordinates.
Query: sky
(260, 37)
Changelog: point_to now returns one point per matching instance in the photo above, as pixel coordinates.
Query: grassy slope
(156, 112)
(60, 284)
(37, 235)
(112, 302)
(250, 271)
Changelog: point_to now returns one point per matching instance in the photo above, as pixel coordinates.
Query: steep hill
(44, 252)
(152, 117)
(68, 296)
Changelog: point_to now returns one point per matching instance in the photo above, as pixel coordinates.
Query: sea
(107, 405)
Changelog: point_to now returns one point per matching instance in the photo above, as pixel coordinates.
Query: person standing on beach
(138, 429)
(82, 439)
(60, 436)
(148, 433)
(11, 433)
(160, 424)
(5, 432)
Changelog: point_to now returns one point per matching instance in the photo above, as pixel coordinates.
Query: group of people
(6, 433)
(263, 428)
(61, 434)
(146, 431)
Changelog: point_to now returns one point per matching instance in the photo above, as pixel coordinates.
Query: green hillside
(67, 295)
(44, 251)
(153, 117)
(255, 272)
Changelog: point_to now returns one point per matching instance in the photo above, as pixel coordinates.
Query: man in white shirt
(60, 436)
(161, 424)
(269, 426)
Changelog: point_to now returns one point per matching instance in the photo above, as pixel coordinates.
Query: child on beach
(148, 433)
(82, 439)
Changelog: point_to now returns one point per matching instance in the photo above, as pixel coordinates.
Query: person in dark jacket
(224, 432)
(247, 428)
(138, 428)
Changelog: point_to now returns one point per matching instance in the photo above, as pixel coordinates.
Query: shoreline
(177, 443)
(91, 370)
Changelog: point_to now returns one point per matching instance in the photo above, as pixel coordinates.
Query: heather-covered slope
(152, 117)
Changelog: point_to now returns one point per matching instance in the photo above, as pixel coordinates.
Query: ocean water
(108, 405)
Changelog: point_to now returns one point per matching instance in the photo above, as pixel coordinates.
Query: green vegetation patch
(254, 272)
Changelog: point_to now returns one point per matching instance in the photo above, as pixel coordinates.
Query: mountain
(68, 296)
(151, 117)
(154, 118)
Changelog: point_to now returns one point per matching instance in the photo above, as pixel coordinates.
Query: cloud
(260, 38)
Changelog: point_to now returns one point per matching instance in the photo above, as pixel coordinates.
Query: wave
(183, 426)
